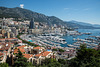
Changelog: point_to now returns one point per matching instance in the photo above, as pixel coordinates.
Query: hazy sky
(79, 10)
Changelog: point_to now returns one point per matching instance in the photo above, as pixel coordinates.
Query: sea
(69, 38)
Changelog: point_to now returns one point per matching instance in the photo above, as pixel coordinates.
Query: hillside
(81, 25)
(50, 20)
(27, 14)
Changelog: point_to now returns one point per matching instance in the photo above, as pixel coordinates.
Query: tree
(4, 65)
(62, 61)
(54, 64)
(48, 62)
(82, 46)
(30, 65)
(61, 50)
(54, 49)
(86, 57)
(19, 54)
(20, 60)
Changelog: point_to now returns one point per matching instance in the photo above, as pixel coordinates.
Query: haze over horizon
(79, 10)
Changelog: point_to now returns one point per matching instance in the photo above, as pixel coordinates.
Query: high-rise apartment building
(31, 24)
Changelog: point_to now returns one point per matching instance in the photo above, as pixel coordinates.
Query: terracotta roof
(21, 46)
(11, 38)
(2, 39)
(2, 43)
(8, 38)
(44, 54)
(16, 50)
(38, 55)
(22, 50)
(27, 55)
(38, 47)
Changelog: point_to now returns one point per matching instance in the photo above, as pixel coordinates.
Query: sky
(80, 10)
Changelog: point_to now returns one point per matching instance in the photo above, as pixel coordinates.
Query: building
(37, 50)
(0, 35)
(5, 49)
(2, 57)
(39, 57)
(31, 24)
(14, 30)
(12, 35)
(28, 56)
(8, 34)
(36, 31)
(36, 54)
(43, 54)
(36, 25)
(3, 32)
(40, 54)
(13, 40)
(21, 48)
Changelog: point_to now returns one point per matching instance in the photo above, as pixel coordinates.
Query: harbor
(47, 40)
(74, 41)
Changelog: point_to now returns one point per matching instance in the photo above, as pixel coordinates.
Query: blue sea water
(69, 39)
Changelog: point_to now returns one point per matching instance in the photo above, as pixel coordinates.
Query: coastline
(50, 41)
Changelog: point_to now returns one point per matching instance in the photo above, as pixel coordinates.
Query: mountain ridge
(77, 24)
(26, 14)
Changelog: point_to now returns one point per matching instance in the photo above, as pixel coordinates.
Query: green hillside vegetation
(25, 14)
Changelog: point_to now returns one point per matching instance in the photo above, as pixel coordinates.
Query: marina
(45, 40)
(70, 41)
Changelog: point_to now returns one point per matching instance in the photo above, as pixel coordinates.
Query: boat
(70, 45)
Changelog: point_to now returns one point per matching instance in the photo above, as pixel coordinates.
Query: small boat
(70, 45)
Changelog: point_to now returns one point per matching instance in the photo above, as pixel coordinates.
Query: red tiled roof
(21, 48)
(27, 55)
(38, 55)
(11, 38)
(38, 48)
(2, 43)
(16, 50)
(43, 54)
(8, 38)
(2, 39)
